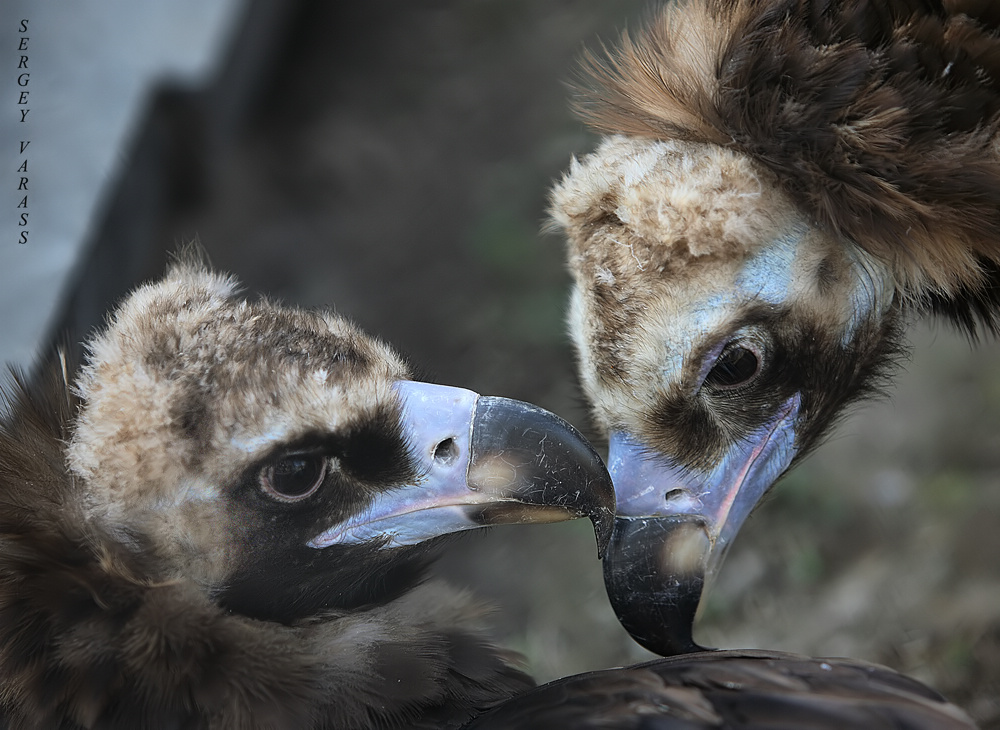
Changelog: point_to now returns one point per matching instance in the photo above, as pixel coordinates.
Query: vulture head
(225, 522)
(782, 184)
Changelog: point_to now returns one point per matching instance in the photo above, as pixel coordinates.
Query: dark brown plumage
(202, 532)
(749, 690)
(878, 118)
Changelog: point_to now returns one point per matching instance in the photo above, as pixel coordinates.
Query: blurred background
(391, 159)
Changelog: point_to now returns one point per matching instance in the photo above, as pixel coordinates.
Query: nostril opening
(446, 452)
(673, 494)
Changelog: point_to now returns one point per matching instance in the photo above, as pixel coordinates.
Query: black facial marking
(685, 429)
(280, 577)
(290, 581)
(832, 376)
(375, 450)
(696, 428)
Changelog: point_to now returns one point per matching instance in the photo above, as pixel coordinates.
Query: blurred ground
(396, 168)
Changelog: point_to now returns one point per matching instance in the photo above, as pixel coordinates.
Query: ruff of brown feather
(879, 117)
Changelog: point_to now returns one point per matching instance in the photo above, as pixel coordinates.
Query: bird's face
(719, 333)
(288, 464)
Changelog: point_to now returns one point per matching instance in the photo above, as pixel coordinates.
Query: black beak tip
(556, 465)
(654, 573)
(604, 522)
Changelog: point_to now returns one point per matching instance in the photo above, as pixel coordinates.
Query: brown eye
(294, 477)
(736, 365)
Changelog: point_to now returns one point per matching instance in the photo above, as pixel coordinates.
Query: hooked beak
(674, 527)
(483, 461)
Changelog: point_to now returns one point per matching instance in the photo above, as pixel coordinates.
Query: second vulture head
(781, 185)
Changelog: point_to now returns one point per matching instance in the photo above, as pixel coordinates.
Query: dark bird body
(751, 690)
(225, 523)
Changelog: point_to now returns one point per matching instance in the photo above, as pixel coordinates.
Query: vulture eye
(293, 477)
(736, 365)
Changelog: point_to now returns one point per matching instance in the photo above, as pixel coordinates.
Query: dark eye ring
(293, 477)
(737, 365)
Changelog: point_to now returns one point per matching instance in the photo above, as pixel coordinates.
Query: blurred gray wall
(92, 65)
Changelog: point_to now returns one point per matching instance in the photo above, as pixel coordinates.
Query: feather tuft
(878, 117)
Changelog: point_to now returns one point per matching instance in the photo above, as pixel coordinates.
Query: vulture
(779, 188)
(224, 521)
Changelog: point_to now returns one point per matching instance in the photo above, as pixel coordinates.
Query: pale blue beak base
(481, 461)
(674, 526)
(647, 485)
